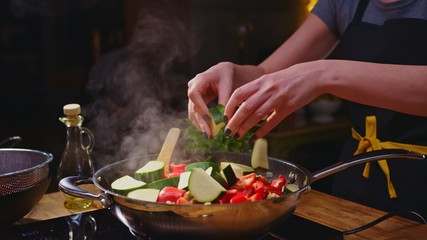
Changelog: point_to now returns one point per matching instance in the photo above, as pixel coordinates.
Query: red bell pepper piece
(238, 198)
(230, 193)
(260, 187)
(170, 194)
(172, 174)
(177, 168)
(244, 182)
(279, 182)
(256, 197)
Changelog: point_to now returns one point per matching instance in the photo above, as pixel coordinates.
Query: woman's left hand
(274, 96)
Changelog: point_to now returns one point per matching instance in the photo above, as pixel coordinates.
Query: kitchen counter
(316, 206)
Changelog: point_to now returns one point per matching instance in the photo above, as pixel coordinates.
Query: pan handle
(69, 185)
(367, 157)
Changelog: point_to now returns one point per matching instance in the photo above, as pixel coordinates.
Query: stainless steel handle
(367, 157)
(69, 185)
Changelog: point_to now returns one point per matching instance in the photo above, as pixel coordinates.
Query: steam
(140, 91)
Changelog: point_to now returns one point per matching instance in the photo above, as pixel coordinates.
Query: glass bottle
(76, 160)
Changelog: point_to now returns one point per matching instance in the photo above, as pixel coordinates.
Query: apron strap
(370, 142)
(360, 10)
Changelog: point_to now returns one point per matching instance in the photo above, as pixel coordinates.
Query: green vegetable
(203, 165)
(145, 194)
(291, 187)
(161, 183)
(203, 187)
(215, 173)
(126, 184)
(259, 157)
(229, 175)
(151, 171)
(238, 169)
(183, 180)
(196, 142)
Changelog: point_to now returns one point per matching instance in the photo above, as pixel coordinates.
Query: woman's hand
(216, 82)
(274, 96)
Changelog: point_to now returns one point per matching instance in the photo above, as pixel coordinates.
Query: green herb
(196, 142)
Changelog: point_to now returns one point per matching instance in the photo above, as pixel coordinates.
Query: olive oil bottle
(76, 159)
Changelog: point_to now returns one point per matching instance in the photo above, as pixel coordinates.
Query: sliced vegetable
(145, 194)
(177, 168)
(170, 194)
(151, 171)
(291, 187)
(239, 169)
(164, 182)
(126, 184)
(217, 119)
(203, 187)
(203, 165)
(183, 180)
(229, 175)
(259, 157)
(279, 182)
(217, 176)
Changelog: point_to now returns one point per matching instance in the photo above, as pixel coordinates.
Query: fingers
(202, 123)
(214, 83)
(251, 110)
(196, 99)
(270, 123)
(251, 104)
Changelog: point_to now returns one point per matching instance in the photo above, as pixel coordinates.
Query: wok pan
(248, 220)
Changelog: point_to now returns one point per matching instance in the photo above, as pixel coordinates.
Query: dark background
(48, 50)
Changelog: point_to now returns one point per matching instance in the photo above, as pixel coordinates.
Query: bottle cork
(72, 109)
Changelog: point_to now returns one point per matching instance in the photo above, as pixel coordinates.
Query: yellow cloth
(371, 142)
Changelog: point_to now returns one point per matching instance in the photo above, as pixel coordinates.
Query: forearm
(302, 46)
(245, 73)
(401, 88)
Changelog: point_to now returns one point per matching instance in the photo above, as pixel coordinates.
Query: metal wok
(248, 220)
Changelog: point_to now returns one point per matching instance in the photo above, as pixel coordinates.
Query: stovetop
(102, 225)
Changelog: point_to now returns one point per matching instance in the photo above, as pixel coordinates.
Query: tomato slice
(170, 194)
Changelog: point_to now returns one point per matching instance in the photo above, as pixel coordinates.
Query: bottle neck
(75, 121)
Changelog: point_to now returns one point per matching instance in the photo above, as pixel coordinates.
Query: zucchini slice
(126, 184)
(145, 194)
(259, 157)
(203, 187)
(151, 171)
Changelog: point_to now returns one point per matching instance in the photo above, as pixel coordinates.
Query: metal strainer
(24, 178)
(22, 169)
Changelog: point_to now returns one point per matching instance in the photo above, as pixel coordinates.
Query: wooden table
(316, 206)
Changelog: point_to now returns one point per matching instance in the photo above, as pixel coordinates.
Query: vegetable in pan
(206, 182)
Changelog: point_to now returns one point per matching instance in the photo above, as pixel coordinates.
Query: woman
(381, 72)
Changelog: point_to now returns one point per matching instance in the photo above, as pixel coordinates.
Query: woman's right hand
(216, 82)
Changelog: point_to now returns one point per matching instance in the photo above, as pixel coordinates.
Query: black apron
(397, 41)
